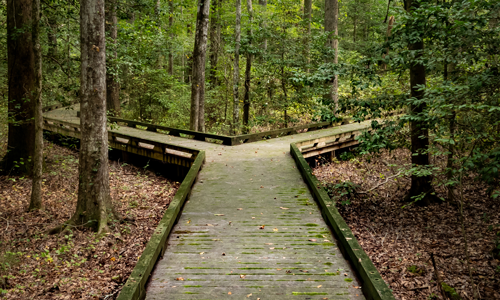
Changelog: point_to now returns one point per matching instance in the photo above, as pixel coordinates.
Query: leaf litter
(75, 264)
(400, 240)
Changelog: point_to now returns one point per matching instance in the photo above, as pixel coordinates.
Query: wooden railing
(164, 152)
(327, 144)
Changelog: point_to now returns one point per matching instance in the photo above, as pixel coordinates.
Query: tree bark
(21, 82)
(307, 39)
(36, 188)
(388, 34)
(248, 70)
(331, 26)
(112, 85)
(94, 200)
(215, 41)
(171, 48)
(197, 121)
(418, 128)
(263, 3)
(52, 35)
(236, 71)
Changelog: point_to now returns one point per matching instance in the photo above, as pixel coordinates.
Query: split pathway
(251, 228)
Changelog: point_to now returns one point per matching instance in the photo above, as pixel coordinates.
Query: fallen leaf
(275, 229)
(242, 276)
(284, 207)
(202, 253)
(179, 279)
(248, 296)
(240, 208)
(312, 240)
(261, 187)
(229, 293)
(112, 258)
(272, 248)
(218, 215)
(262, 227)
(319, 286)
(268, 243)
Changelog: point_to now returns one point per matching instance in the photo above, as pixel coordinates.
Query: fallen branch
(380, 184)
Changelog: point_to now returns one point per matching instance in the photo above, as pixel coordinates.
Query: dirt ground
(75, 264)
(400, 241)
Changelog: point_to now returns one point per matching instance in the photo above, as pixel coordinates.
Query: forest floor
(75, 264)
(400, 240)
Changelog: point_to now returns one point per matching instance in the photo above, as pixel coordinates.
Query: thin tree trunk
(36, 189)
(21, 82)
(112, 85)
(263, 3)
(52, 35)
(170, 44)
(197, 121)
(236, 74)
(418, 129)
(307, 39)
(389, 31)
(248, 70)
(215, 40)
(331, 25)
(94, 200)
(355, 20)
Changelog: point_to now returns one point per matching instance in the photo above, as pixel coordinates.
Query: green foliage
(342, 191)
(450, 292)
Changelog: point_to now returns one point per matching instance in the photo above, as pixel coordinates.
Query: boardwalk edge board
(135, 287)
(373, 286)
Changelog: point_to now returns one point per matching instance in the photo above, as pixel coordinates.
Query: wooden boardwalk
(251, 229)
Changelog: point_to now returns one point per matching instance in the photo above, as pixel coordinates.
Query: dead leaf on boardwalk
(189, 221)
(179, 279)
(253, 217)
(261, 187)
(272, 248)
(319, 286)
(240, 208)
(268, 243)
(275, 229)
(288, 271)
(220, 153)
(210, 225)
(202, 253)
(229, 293)
(248, 296)
(312, 240)
(242, 276)
(304, 271)
(262, 227)
(284, 207)
(218, 215)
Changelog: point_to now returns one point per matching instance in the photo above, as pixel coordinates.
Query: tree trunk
(308, 18)
(331, 25)
(21, 82)
(171, 44)
(94, 200)
(36, 188)
(418, 129)
(248, 70)
(112, 85)
(263, 3)
(52, 35)
(197, 121)
(215, 30)
(389, 31)
(236, 74)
